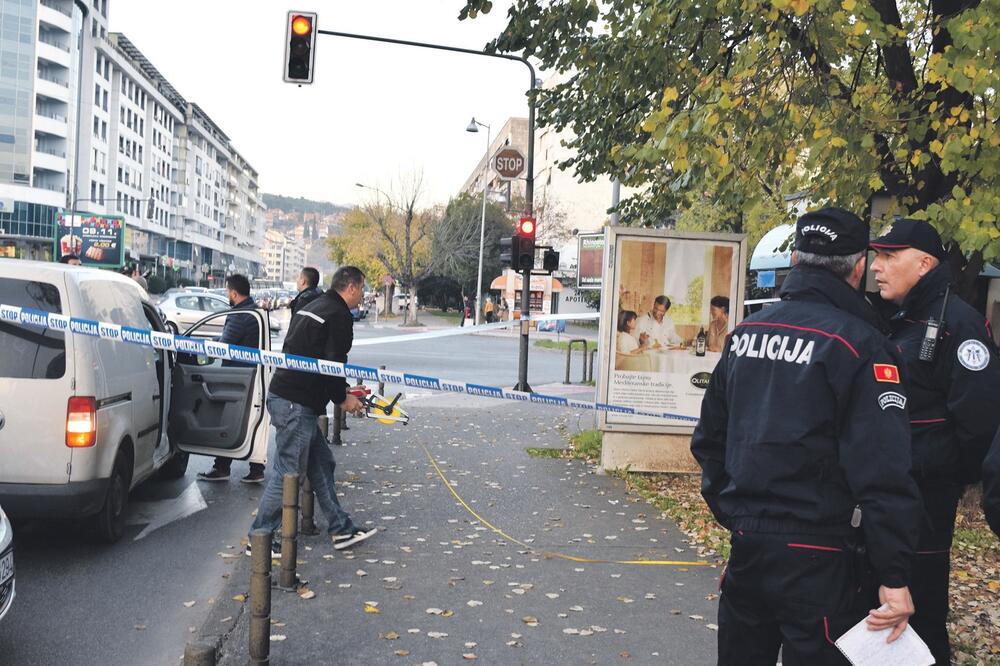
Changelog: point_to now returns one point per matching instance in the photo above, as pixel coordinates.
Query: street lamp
(473, 127)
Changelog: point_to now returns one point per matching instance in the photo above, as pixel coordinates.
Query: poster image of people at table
(673, 304)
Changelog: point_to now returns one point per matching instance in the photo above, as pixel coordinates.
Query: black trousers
(932, 566)
(795, 592)
(224, 464)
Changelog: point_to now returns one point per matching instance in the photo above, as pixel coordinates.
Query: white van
(84, 420)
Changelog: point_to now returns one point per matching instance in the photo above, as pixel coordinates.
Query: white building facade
(283, 257)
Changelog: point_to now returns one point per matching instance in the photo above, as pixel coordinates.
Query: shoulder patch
(892, 399)
(886, 372)
(973, 355)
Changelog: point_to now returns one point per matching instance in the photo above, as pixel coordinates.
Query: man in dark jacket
(308, 285)
(954, 392)
(240, 330)
(991, 485)
(324, 330)
(804, 439)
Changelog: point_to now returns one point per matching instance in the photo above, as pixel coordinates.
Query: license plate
(6, 567)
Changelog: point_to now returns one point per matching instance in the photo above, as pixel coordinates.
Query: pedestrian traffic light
(550, 261)
(506, 250)
(526, 243)
(300, 47)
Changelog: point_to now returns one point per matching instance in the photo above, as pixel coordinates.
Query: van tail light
(81, 422)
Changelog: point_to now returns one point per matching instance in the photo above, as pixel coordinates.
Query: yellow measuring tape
(550, 554)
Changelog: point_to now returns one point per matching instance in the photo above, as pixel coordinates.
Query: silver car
(6, 564)
(181, 310)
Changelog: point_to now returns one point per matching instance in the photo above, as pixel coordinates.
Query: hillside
(302, 205)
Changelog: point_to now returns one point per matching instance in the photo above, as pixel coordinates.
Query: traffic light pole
(529, 180)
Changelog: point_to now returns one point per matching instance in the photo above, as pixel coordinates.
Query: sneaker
(341, 541)
(275, 550)
(253, 477)
(214, 475)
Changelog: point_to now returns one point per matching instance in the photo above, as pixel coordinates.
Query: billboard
(590, 261)
(99, 240)
(669, 301)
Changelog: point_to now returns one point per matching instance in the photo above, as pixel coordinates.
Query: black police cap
(906, 233)
(831, 232)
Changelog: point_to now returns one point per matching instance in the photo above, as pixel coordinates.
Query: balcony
(48, 162)
(53, 54)
(55, 15)
(51, 124)
(48, 86)
(64, 8)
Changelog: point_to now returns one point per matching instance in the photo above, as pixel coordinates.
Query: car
(184, 308)
(6, 564)
(87, 419)
(359, 312)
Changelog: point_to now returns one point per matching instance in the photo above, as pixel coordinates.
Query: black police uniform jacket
(991, 485)
(805, 418)
(304, 298)
(322, 329)
(954, 400)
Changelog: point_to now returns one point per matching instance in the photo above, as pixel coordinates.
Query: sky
(375, 114)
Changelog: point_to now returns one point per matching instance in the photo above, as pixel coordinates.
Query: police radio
(928, 346)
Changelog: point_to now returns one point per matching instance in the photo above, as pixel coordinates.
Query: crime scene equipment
(300, 47)
(379, 408)
(526, 243)
(928, 346)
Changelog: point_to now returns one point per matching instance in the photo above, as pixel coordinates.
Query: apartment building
(283, 257)
(88, 123)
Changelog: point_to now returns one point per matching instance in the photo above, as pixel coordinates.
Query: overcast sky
(374, 112)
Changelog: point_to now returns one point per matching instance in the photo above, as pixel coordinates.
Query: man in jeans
(322, 329)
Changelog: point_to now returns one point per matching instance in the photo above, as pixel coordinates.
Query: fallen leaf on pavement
(371, 610)
(402, 653)
(278, 637)
(391, 636)
(240, 598)
(140, 627)
(307, 594)
(188, 604)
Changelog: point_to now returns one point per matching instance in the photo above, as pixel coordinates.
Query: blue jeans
(299, 448)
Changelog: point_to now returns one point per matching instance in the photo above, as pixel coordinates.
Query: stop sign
(509, 163)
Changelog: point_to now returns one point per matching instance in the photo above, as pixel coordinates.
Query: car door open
(217, 407)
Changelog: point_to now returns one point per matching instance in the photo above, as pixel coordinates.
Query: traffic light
(300, 47)
(550, 261)
(526, 244)
(506, 250)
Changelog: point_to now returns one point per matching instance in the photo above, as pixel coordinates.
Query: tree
(390, 237)
(455, 245)
(750, 100)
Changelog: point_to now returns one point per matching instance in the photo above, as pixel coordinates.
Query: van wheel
(109, 523)
(176, 467)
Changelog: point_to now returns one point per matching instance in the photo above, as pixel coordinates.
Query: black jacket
(323, 329)
(241, 330)
(991, 485)
(805, 418)
(304, 298)
(954, 408)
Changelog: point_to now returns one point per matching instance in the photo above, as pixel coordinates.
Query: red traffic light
(301, 25)
(527, 227)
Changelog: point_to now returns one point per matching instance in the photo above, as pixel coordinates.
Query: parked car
(6, 564)
(182, 309)
(85, 419)
(359, 312)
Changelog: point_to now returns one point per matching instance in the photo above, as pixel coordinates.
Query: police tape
(468, 330)
(31, 317)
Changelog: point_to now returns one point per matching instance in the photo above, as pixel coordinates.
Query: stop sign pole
(529, 178)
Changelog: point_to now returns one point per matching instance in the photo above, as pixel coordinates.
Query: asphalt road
(83, 603)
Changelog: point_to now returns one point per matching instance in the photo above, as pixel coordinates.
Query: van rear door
(36, 381)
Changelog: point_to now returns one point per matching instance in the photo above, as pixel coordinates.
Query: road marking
(551, 554)
(159, 513)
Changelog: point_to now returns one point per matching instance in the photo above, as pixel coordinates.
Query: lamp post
(474, 126)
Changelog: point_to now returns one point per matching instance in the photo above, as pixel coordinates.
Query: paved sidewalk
(437, 585)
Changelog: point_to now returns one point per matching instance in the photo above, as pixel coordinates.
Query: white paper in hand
(868, 648)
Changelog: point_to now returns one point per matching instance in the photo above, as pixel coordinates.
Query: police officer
(805, 452)
(991, 485)
(953, 382)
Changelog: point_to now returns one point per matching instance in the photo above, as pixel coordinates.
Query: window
(104, 101)
(31, 352)
(188, 303)
(97, 95)
(101, 192)
(93, 190)
(99, 62)
(104, 130)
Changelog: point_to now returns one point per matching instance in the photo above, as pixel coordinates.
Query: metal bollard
(306, 523)
(199, 654)
(381, 384)
(569, 357)
(338, 421)
(289, 531)
(589, 372)
(260, 597)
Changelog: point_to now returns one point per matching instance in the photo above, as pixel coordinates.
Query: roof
(125, 45)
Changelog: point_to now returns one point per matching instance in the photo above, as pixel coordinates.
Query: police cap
(918, 234)
(831, 231)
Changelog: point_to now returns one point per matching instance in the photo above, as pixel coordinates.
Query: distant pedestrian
(488, 309)
(323, 329)
(309, 290)
(465, 310)
(244, 331)
(70, 259)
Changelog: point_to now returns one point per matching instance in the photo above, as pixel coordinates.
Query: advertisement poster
(99, 240)
(668, 304)
(590, 261)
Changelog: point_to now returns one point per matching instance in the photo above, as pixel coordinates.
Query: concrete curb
(227, 612)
